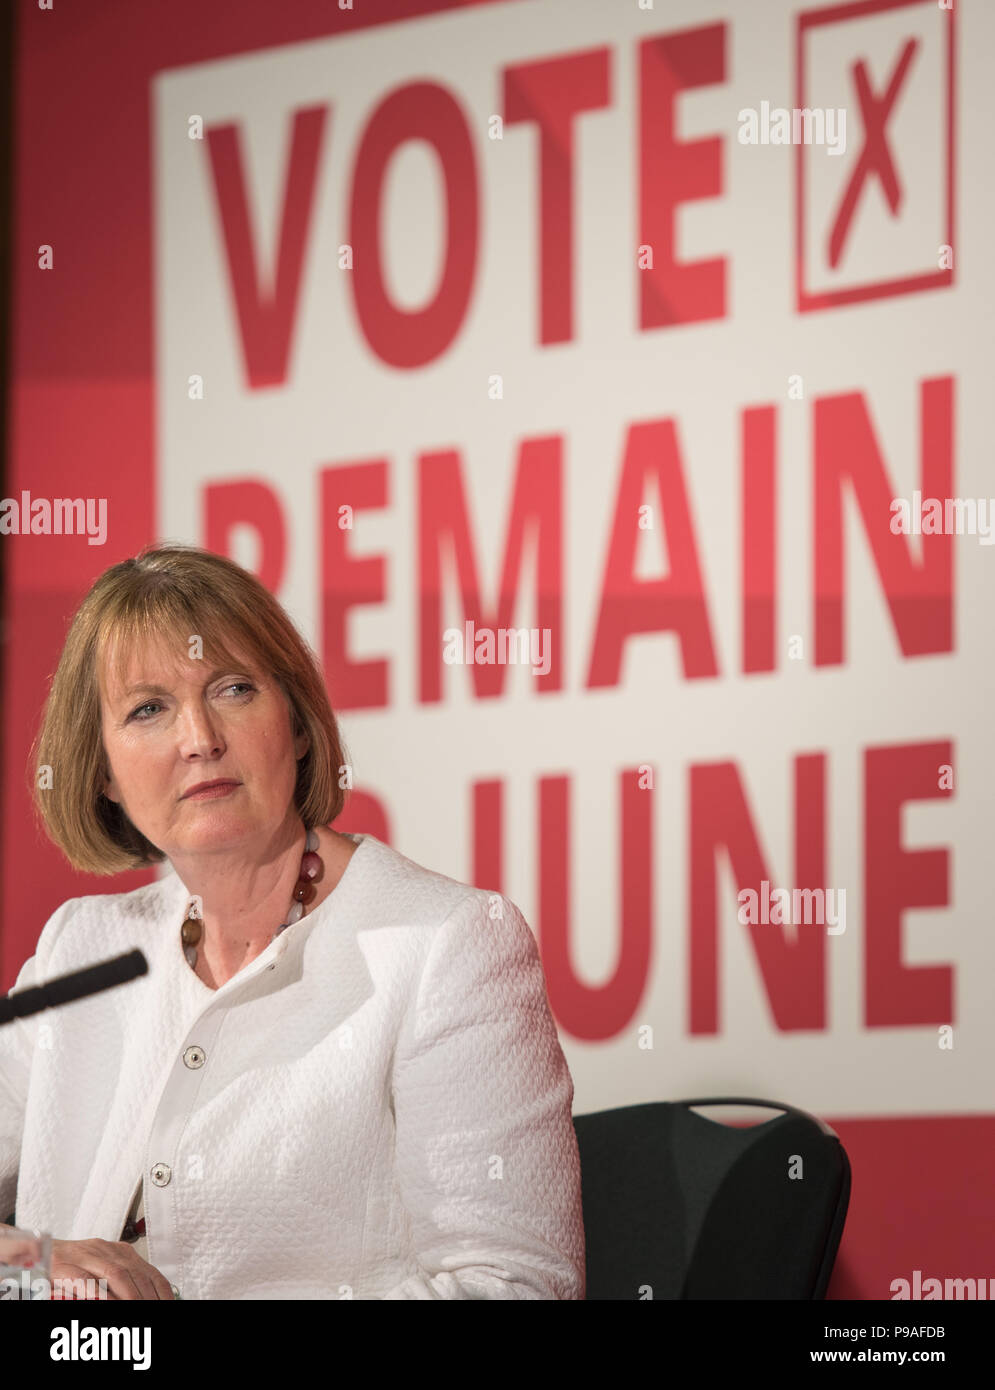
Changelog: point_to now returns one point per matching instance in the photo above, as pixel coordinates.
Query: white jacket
(377, 1107)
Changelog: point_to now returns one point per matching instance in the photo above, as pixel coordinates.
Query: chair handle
(763, 1104)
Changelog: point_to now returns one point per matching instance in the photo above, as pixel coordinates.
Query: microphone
(76, 985)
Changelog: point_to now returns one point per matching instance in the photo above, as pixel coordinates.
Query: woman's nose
(198, 734)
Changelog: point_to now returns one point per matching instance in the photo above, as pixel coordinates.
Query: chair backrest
(677, 1206)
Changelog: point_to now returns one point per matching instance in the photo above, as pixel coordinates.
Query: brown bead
(190, 931)
(304, 892)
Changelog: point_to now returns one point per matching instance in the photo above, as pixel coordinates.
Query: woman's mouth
(212, 792)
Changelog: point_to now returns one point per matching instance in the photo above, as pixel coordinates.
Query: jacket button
(195, 1056)
(161, 1174)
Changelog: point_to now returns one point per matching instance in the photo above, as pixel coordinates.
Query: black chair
(677, 1206)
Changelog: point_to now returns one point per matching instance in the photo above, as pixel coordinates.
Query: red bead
(304, 892)
(312, 868)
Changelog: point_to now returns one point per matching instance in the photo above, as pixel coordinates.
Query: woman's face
(170, 722)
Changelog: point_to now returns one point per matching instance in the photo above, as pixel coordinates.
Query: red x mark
(875, 157)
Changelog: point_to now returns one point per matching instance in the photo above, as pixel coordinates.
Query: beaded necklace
(312, 870)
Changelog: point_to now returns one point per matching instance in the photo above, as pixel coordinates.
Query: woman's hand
(126, 1273)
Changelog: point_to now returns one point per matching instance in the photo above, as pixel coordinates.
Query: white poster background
(341, 404)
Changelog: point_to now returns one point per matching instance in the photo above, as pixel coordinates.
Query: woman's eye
(148, 705)
(154, 704)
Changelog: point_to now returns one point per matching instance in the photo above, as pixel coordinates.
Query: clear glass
(25, 1264)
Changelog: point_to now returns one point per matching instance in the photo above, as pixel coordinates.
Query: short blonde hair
(165, 595)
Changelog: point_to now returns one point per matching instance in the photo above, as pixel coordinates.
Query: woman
(340, 1076)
